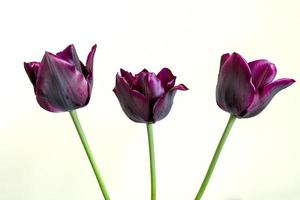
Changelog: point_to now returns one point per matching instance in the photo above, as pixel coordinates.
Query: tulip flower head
(146, 97)
(62, 82)
(245, 89)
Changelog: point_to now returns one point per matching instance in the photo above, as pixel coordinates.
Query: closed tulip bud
(146, 97)
(62, 82)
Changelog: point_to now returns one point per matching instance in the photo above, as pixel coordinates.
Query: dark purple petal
(255, 63)
(134, 104)
(69, 55)
(167, 78)
(263, 72)
(224, 57)
(164, 104)
(235, 91)
(144, 71)
(262, 99)
(181, 87)
(123, 72)
(149, 85)
(128, 76)
(143, 97)
(31, 69)
(88, 69)
(60, 86)
(90, 59)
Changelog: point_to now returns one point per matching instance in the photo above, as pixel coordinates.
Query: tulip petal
(263, 98)
(263, 72)
(88, 69)
(133, 103)
(123, 72)
(235, 91)
(31, 69)
(69, 54)
(128, 76)
(164, 104)
(60, 86)
(167, 78)
(149, 85)
(144, 71)
(90, 59)
(224, 57)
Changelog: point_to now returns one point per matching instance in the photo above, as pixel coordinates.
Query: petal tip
(287, 81)
(71, 46)
(224, 57)
(181, 87)
(94, 46)
(123, 72)
(145, 70)
(290, 81)
(26, 65)
(48, 54)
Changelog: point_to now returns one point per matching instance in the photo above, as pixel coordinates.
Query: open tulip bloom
(147, 98)
(244, 90)
(63, 83)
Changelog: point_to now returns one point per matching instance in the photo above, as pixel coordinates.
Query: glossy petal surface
(61, 82)
(69, 55)
(263, 72)
(235, 90)
(167, 78)
(133, 103)
(262, 99)
(148, 85)
(245, 89)
(60, 86)
(146, 97)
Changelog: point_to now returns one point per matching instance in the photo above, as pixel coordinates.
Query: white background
(41, 157)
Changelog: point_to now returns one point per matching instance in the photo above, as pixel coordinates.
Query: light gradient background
(41, 157)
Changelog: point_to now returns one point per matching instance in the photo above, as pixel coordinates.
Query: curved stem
(89, 154)
(152, 160)
(215, 157)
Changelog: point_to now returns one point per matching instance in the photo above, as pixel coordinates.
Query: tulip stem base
(89, 154)
(215, 157)
(152, 160)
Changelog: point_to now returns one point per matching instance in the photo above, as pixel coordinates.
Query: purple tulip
(62, 82)
(146, 97)
(245, 89)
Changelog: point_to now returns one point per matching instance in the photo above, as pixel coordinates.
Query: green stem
(89, 153)
(215, 157)
(152, 160)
